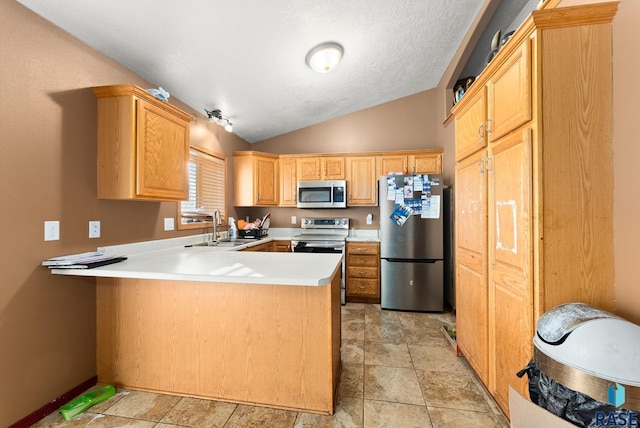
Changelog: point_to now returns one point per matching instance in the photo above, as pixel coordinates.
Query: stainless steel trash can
(596, 354)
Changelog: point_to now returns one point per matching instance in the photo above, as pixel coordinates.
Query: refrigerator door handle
(396, 260)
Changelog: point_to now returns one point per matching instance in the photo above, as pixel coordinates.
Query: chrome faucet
(217, 220)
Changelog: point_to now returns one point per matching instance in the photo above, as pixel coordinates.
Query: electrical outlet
(51, 230)
(94, 229)
(168, 223)
(369, 218)
(294, 220)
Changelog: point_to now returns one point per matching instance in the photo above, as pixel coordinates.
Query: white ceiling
(247, 58)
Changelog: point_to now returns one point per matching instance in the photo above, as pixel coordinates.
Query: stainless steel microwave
(322, 194)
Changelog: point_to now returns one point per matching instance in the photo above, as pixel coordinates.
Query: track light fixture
(216, 116)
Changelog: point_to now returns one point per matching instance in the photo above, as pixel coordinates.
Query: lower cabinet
(363, 272)
(265, 246)
(281, 246)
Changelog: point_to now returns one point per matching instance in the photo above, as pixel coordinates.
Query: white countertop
(164, 260)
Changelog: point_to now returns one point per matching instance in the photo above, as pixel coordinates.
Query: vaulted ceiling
(247, 58)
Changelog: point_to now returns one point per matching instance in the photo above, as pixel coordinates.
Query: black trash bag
(533, 373)
(575, 407)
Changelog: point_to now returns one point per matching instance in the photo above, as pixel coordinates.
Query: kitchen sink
(223, 243)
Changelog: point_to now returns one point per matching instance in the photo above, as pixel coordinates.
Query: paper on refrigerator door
(430, 206)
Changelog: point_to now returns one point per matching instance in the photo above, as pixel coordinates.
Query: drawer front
(362, 287)
(362, 260)
(362, 272)
(362, 248)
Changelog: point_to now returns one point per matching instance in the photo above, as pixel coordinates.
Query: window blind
(207, 187)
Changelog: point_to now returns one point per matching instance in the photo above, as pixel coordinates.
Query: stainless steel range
(323, 235)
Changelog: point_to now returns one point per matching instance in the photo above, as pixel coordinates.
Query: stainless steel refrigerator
(412, 235)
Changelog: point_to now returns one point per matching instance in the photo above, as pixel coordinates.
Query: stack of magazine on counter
(82, 261)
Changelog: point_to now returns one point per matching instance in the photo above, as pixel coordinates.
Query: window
(207, 189)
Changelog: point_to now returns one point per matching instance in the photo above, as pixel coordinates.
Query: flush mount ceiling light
(324, 57)
(216, 116)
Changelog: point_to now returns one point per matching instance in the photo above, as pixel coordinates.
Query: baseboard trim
(55, 404)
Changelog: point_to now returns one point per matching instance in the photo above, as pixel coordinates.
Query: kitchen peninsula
(246, 327)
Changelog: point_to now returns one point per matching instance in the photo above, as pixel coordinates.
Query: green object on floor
(82, 403)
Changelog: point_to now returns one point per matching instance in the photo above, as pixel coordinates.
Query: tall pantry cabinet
(534, 188)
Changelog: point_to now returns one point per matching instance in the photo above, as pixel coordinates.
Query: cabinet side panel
(578, 165)
(116, 147)
(243, 190)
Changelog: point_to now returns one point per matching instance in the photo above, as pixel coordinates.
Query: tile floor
(396, 372)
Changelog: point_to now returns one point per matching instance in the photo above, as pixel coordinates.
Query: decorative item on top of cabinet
(255, 179)
(363, 272)
(525, 165)
(143, 146)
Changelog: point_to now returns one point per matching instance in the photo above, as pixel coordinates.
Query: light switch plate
(94, 229)
(51, 230)
(168, 223)
(294, 220)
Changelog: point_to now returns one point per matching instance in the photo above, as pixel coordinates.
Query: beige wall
(407, 123)
(626, 152)
(48, 172)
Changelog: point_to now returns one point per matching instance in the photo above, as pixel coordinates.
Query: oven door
(317, 247)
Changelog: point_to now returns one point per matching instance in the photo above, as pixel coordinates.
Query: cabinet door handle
(488, 163)
(480, 131)
(489, 127)
(481, 166)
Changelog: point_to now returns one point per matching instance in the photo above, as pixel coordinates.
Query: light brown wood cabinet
(281, 246)
(533, 229)
(143, 146)
(362, 181)
(255, 179)
(288, 182)
(268, 344)
(363, 272)
(262, 179)
(264, 247)
(321, 168)
(410, 162)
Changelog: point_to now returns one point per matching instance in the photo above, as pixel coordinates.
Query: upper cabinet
(321, 168)
(143, 146)
(288, 182)
(255, 179)
(263, 179)
(362, 189)
(414, 162)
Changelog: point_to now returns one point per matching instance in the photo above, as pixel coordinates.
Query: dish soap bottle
(233, 230)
